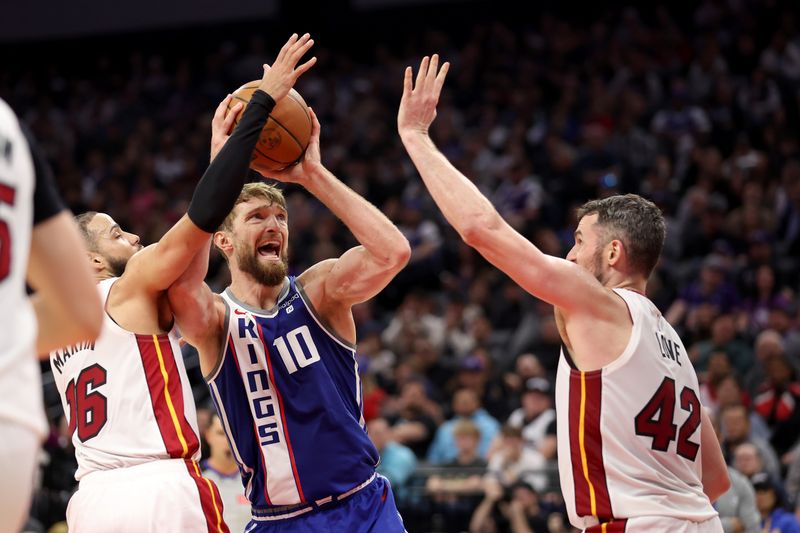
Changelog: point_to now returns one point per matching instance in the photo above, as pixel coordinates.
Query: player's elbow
(400, 254)
(717, 485)
(478, 230)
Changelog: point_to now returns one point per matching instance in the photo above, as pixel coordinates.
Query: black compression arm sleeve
(222, 182)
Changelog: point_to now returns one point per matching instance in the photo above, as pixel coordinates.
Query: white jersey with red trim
(127, 397)
(629, 433)
(20, 378)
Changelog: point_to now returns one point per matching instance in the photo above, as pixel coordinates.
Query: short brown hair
(255, 190)
(635, 221)
(89, 237)
(509, 431)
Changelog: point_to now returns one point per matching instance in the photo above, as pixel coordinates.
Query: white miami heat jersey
(126, 397)
(20, 378)
(629, 433)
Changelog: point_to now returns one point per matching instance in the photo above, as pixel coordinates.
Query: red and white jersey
(127, 397)
(20, 378)
(629, 433)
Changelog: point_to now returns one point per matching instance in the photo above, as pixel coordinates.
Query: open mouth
(270, 250)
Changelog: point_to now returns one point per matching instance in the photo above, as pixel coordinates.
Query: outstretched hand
(418, 105)
(222, 124)
(282, 75)
(311, 160)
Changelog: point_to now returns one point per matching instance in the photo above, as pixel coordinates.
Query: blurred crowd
(697, 109)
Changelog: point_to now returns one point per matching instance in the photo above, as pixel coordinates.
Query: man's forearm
(458, 198)
(222, 182)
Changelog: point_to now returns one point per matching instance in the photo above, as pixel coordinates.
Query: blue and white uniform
(289, 397)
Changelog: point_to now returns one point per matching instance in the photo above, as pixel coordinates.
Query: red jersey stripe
(174, 443)
(175, 386)
(210, 500)
(586, 445)
(593, 441)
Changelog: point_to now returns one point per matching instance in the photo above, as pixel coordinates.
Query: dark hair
(636, 222)
(511, 431)
(90, 237)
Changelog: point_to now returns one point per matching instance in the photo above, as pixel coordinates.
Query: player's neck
(620, 281)
(256, 294)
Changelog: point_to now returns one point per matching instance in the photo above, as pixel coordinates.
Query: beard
(597, 265)
(116, 265)
(270, 275)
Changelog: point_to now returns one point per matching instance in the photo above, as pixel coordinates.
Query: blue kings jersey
(289, 397)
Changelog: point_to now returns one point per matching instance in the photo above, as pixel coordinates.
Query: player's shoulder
(316, 272)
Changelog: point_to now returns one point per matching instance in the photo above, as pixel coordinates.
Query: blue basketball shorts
(372, 509)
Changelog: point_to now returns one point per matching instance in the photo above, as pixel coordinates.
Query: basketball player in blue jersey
(278, 354)
(126, 395)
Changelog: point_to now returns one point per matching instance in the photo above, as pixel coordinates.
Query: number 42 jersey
(629, 433)
(289, 397)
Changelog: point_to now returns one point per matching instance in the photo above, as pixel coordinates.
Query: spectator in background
(768, 344)
(735, 427)
(414, 417)
(777, 403)
(723, 339)
(458, 488)
(397, 461)
(512, 461)
(774, 518)
(762, 296)
(517, 510)
(526, 366)
(729, 392)
(222, 469)
(465, 472)
(747, 459)
(537, 418)
(711, 289)
(718, 368)
(466, 405)
(737, 507)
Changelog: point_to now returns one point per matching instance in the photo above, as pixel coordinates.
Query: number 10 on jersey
(293, 354)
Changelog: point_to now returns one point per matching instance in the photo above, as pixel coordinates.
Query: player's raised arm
(554, 280)
(158, 266)
(361, 272)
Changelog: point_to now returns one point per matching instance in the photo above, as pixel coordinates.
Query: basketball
(285, 135)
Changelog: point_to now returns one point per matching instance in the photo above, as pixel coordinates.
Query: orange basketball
(285, 136)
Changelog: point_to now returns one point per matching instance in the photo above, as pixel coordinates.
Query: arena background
(694, 105)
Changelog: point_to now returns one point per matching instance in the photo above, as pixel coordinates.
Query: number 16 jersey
(289, 398)
(629, 433)
(127, 398)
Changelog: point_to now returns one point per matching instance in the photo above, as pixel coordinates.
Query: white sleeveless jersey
(629, 434)
(20, 378)
(127, 397)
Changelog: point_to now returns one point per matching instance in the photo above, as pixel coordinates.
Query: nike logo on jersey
(239, 312)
